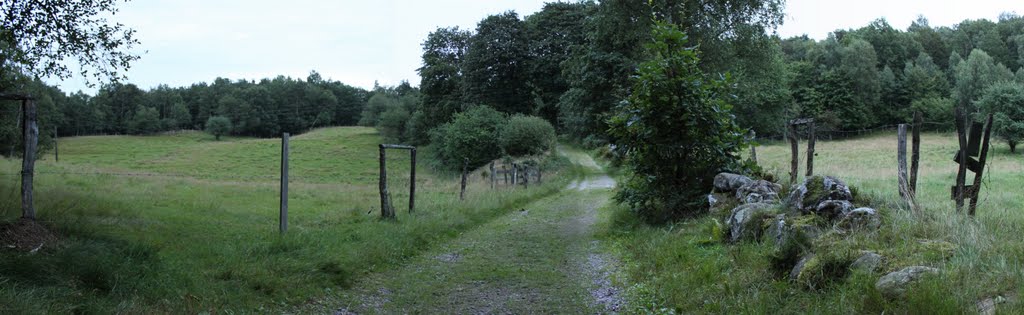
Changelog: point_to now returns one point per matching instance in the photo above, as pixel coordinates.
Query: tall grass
(199, 232)
(677, 269)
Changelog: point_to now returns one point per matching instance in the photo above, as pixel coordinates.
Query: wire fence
(833, 134)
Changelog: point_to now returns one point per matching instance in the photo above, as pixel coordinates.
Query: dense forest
(571, 64)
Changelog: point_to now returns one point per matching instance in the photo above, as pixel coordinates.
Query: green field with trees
(164, 197)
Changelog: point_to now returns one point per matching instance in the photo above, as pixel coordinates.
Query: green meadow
(180, 223)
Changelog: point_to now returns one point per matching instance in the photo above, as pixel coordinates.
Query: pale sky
(359, 42)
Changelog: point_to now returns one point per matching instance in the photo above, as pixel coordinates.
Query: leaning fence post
(465, 168)
(284, 183)
(28, 163)
(981, 167)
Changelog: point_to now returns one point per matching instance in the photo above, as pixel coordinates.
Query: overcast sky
(359, 42)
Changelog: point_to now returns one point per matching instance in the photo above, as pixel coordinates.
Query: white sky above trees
(359, 42)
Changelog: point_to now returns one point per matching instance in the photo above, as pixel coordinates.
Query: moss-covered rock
(746, 221)
(815, 190)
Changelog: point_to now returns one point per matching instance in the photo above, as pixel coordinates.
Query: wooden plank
(283, 219)
(915, 155)
(810, 148)
(30, 134)
(981, 167)
(974, 139)
(398, 146)
(968, 191)
(972, 164)
(801, 121)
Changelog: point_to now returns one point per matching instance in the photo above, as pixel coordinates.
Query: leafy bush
(392, 124)
(472, 135)
(526, 135)
(676, 131)
(934, 110)
(218, 126)
(1005, 101)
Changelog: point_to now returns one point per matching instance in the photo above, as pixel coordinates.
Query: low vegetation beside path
(181, 223)
(964, 264)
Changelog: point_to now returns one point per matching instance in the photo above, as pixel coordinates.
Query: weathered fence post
(284, 184)
(28, 163)
(526, 176)
(753, 147)
(539, 171)
(515, 174)
(961, 175)
(491, 170)
(981, 167)
(412, 181)
(385, 197)
(794, 147)
(812, 137)
(915, 155)
(465, 169)
(56, 150)
(504, 173)
(901, 165)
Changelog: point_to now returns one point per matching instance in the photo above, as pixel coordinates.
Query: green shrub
(676, 130)
(218, 126)
(392, 124)
(526, 135)
(472, 135)
(1005, 101)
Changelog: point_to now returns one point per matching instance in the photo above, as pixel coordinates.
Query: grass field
(680, 268)
(185, 224)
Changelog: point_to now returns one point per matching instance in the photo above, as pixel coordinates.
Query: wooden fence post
(284, 184)
(981, 167)
(753, 147)
(504, 173)
(385, 197)
(795, 162)
(526, 176)
(465, 169)
(901, 165)
(915, 155)
(962, 124)
(515, 174)
(810, 148)
(491, 169)
(30, 134)
(412, 181)
(56, 150)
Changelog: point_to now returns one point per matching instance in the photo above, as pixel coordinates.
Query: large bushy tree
(1005, 101)
(496, 65)
(675, 129)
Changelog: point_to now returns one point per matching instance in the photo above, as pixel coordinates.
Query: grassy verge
(198, 230)
(683, 268)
